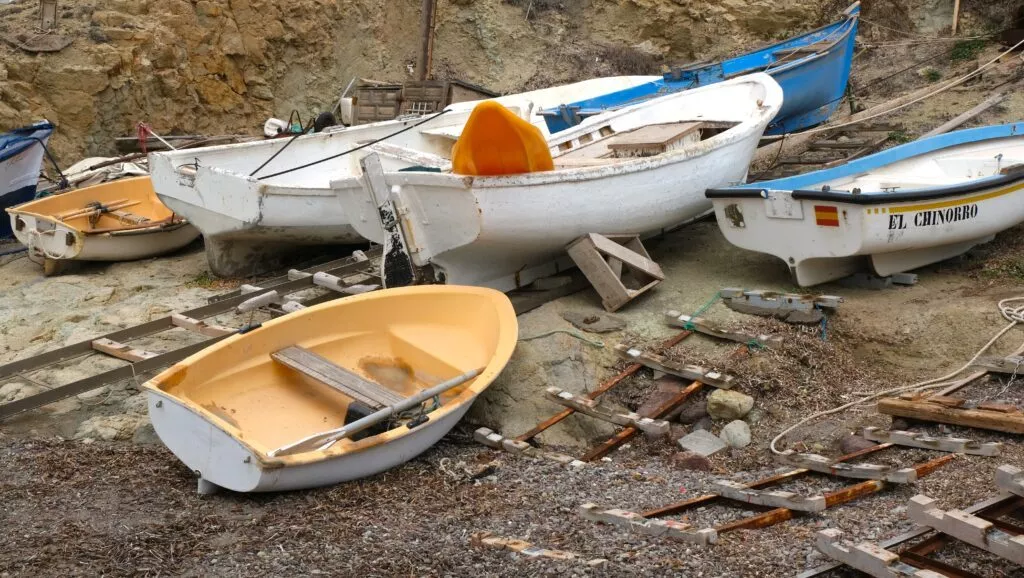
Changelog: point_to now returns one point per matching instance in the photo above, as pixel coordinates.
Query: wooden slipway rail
(140, 362)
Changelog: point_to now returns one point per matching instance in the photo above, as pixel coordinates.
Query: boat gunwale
(495, 365)
(24, 138)
(881, 159)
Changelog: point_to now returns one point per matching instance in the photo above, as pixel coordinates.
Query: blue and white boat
(21, 158)
(893, 211)
(813, 70)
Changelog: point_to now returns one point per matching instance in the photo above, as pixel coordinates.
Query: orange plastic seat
(497, 142)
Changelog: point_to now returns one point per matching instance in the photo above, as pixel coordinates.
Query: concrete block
(703, 442)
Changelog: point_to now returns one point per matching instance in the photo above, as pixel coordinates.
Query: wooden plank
(868, 557)
(966, 528)
(776, 499)
(121, 351)
(481, 539)
(638, 260)
(651, 427)
(1011, 479)
(699, 324)
(853, 143)
(199, 326)
(496, 441)
(1010, 365)
(637, 523)
(923, 441)
(970, 114)
(653, 135)
(824, 465)
(627, 433)
(601, 260)
(326, 372)
(927, 410)
(660, 363)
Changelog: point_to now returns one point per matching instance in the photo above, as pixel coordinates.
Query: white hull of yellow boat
(228, 411)
(38, 225)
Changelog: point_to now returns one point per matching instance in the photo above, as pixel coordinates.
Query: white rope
(947, 86)
(1014, 314)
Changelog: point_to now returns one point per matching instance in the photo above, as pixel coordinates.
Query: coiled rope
(1012, 313)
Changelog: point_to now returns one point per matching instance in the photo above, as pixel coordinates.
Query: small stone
(705, 423)
(754, 417)
(692, 413)
(594, 322)
(703, 443)
(736, 434)
(728, 404)
(854, 443)
(691, 461)
(597, 562)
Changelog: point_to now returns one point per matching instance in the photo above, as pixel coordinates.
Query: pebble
(854, 443)
(728, 404)
(736, 434)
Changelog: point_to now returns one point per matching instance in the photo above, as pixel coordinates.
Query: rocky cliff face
(224, 66)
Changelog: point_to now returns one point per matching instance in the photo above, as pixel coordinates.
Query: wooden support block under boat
(322, 370)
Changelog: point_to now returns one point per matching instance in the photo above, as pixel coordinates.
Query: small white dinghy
(253, 210)
(897, 210)
(119, 220)
(335, 392)
(637, 170)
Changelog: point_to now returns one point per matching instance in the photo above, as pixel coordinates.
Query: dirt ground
(77, 501)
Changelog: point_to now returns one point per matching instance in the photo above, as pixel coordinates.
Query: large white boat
(637, 170)
(894, 211)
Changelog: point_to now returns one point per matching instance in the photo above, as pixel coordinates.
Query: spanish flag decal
(826, 216)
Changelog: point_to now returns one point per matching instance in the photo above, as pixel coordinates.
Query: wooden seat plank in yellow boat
(322, 370)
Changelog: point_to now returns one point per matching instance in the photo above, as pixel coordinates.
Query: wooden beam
(651, 427)
(929, 410)
(699, 324)
(660, 363)
(824, 465)
(868, 557)
(966, 528)
(956, 16)
(740, 493)
(199, 326)
(325, 371)
(970, 114)
(926, 442)
(496, 441)
(121, 351)
(636, 522)
(1010, 479)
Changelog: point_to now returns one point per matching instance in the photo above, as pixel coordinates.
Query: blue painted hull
(813, 70)
(21, 157)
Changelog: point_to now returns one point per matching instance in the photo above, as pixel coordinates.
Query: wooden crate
(617, 266)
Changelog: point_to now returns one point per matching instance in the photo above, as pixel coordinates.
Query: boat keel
(885, 264)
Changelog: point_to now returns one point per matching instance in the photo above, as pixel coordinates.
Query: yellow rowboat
(117, 221)
(336, 392)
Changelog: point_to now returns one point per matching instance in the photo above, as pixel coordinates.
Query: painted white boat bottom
(221, 461)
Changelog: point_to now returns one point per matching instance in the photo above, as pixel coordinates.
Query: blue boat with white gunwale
(894, 211)
(21, 158)
(813, 70)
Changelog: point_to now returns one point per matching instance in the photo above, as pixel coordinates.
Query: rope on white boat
(1012, 313)
(951, 84)
(33, 234)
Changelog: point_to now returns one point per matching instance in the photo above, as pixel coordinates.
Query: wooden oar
(324, 440)
(66, 214)
(88, 211)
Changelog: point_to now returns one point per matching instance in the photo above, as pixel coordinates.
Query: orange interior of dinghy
(497, 142)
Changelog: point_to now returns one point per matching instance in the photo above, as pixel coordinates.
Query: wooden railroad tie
(664, 365)
(604, 259)
(941, 444)
(651, 427)
(700, 325)
(199, 326)
(824, 465)
(1010, 364)
(496, 441)
(868, 557)
(955, 411)
(658, 528)
(523, 547)
(1010, 479)
(120, 350)
(966, 528)
(776, 499)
